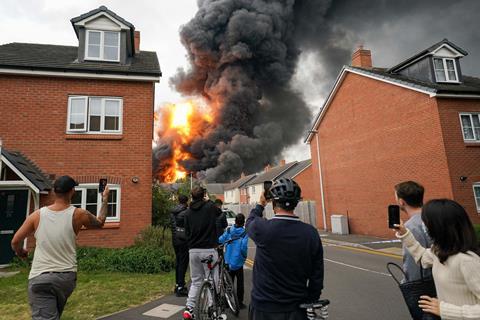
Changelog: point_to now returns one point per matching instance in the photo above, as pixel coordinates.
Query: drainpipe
(1, 163)
(322, 194)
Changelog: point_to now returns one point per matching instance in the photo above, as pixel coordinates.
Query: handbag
(412, 290)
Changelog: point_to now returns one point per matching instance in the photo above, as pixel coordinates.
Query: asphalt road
(357, 285)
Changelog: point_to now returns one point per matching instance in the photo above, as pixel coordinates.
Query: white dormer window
(102, 45)
(445, 70)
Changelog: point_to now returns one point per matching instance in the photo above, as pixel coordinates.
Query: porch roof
(28, 169)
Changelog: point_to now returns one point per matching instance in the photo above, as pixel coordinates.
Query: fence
(305, 210)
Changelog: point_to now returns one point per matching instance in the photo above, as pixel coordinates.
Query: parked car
(230, 216)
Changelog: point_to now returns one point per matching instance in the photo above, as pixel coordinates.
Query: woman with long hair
(453, 257)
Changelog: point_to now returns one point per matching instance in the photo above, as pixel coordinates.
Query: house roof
(469, 87)
(271, 174)
(47, 57)
(215, 188)
(239, 183)
(29, 169)
(427, 51)
(296, 169)
(97, 10)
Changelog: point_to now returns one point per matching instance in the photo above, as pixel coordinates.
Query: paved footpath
(356, 283)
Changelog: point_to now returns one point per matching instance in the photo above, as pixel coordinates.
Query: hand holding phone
(393, 216)
(101, 185)
(266, 189)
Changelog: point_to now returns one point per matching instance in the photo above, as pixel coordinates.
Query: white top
(55, 243)
(457, 280)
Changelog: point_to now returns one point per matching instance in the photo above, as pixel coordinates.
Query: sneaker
(181, 292)
(188, 313)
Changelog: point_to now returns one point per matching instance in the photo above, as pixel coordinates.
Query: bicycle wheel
(230, 294)
(206, 304)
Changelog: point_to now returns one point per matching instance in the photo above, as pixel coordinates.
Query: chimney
(282, 162)
(137, 41)
(267, 168)
(242, 175)
(362, 58)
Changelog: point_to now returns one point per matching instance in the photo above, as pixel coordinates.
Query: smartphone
(101, 185)
(266, 189)
(393, 216)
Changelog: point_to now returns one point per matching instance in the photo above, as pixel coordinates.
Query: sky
(393, 30)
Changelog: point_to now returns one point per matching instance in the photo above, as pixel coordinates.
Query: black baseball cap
(64, 184)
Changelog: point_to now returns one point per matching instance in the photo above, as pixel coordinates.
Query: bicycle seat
(315, 305)
(208, 259)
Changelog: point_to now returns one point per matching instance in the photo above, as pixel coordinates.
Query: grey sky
(393, 30)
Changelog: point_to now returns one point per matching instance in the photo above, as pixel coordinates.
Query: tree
(162, 202)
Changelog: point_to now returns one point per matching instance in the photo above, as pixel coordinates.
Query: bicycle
(213, 298)
(317, 310)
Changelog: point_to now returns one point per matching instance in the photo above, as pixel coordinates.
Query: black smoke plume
(245, 52)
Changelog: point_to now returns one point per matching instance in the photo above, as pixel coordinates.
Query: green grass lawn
(96, 294)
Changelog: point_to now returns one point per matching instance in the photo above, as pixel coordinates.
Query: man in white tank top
(53, 274)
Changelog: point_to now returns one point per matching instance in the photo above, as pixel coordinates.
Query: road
(358, 285)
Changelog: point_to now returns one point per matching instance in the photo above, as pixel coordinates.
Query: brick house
(248, 189)
(84, 111)
(418, 120)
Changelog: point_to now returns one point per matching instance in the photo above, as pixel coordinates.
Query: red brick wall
(305, 181)
(33, 120)
(463, 158)
(373, 136)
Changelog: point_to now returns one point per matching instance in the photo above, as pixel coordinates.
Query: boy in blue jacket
(236, 253)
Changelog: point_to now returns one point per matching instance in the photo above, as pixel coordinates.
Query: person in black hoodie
(222, 222)
(180, 245)
(201, 231)
(288, 269)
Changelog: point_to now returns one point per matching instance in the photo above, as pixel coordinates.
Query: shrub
(156, 237)
(136, 259)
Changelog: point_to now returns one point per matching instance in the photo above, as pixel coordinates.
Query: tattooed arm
(89, 220)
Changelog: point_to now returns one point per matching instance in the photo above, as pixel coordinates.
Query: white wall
(232, 196)
(254, 193)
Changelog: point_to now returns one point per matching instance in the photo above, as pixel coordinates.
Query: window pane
(77, 199)
(95, 106)
(92, 196)
(95, 123)
(467, 128)
(112, 108)
(110, 53)
(440, 75)
(94, 37)
(112, 123)
(77, 106)
(450, 65)
(476, 126)
(438, 64)
(77, 121)
(112, 210)
(93, 51)
(477, 192)
(92, 208)
(452, 76)
(111, 39)
(112, 197)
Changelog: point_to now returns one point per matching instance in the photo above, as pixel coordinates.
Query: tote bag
(412, 290)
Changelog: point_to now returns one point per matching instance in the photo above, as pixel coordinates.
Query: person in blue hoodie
(236, 253)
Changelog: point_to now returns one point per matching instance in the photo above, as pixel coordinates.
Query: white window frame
(469, 114)
(477, 203)
(116, 187)
(102, 118)
(102, 46)
(445, 70)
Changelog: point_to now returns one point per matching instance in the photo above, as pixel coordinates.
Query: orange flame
(179, 124)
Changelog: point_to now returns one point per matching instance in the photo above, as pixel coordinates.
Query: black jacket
(177, 222)
(222, 222)
(288, 269)
(200, 225)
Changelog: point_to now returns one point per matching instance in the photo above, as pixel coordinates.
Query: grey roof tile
(29, 169)
(64, 58)
(240, 182)
(271, 174)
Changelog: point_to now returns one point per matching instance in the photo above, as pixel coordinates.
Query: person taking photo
(453, 257)
(288, 269)
(180, 245)
(53, 274)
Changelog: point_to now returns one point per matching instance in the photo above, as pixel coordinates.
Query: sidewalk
(390, 246)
